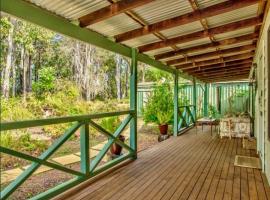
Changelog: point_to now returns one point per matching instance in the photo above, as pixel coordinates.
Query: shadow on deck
(192, 166)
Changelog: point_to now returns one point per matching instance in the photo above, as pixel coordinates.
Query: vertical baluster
(84, 146)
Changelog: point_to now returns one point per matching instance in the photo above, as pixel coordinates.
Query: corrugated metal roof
(71, 9)
(160, 10)
(194, 43)
(235, 33)
(115, 25)
(182, 30)
(158, 51)
(233, 16)
(142, 40)
(206, 3)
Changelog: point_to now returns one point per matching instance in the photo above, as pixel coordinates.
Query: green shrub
(159, 108)
(45, 83)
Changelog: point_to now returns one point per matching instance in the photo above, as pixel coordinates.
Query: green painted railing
(187, 117)
(88, 168)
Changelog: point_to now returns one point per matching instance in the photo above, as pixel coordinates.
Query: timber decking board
(192, 166)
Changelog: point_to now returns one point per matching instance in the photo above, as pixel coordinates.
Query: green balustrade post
(84, 145)
(195, 99)
(133, 102)
(175, 124)
(205, 102)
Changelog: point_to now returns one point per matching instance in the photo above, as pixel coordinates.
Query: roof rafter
(186, 18)
(110, 11)
(233, 68)
(209, 56)
(225, 79)
(220, 76)
(202, 34)
(216, 61)
(221, 43)
(221, 65)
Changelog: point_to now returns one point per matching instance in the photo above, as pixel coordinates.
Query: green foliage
(212, 111)
(13, 110)
(110, 123)
(156, 75)
(45, 83)
(159, 108)
(24, 143)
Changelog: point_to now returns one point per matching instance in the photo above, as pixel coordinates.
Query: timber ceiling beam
(221, 65)
(236, 40)
(243, 74)
(110, 11)
(233, 68)
(216, 61)
(209, 56)
(202, 34)
(186, 18)
(220, 76)
(225, 79)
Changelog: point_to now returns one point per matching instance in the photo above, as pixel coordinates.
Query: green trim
(205, 100)
(33, 167)
(175, 123)
(133, 101)
(106, 133)
(195, 99)
(57, 120)
(39, 161)
(106, 147)
(187, 118)
(84, 147)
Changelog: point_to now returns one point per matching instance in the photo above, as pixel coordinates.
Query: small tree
(45, 83)
(159, 108)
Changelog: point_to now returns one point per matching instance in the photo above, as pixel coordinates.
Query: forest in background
(41, 70)
(32, 57)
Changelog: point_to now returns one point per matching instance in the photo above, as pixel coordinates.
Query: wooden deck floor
(187, 167)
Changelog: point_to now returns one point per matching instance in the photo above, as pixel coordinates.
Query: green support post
(84, 145)
(133, 102)
(195, 99)
(205, 100)
(175, 124)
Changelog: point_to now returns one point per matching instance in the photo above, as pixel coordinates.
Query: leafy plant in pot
(163, 120)
(111, 124)
(159, 108)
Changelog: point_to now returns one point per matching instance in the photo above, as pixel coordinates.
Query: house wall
(262, 126)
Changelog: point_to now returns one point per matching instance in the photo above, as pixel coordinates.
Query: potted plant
(163, 120)
(111, 124)
(159, 108)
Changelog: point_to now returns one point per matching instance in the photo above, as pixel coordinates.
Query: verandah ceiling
(212, 40)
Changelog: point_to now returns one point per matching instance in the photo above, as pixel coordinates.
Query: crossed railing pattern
(186, 115)
(88, 169)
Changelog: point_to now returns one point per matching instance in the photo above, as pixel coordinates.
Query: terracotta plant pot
(163, 129)
(116, 149)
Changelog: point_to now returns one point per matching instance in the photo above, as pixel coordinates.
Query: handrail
(88, 168)
(4, 126)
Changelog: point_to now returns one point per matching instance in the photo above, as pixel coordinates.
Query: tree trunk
(118, 77)
(7, 71)
(14, 78)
